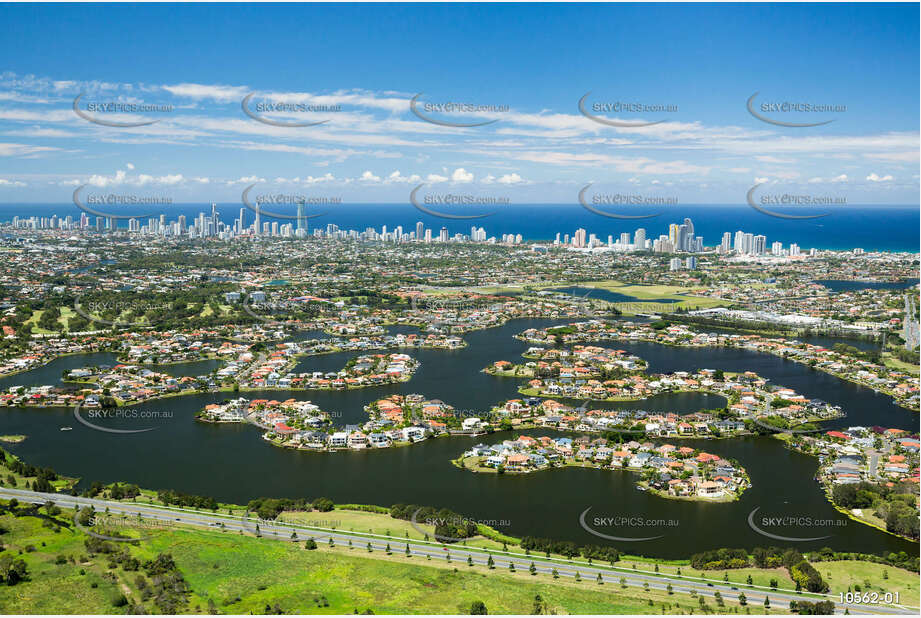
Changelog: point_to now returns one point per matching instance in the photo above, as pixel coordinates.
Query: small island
(668, 471)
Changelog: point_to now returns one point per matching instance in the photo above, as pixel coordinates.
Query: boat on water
(66, 428)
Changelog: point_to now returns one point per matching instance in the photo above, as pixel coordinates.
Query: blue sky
(701, 63)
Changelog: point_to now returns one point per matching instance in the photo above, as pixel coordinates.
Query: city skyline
(679, 239)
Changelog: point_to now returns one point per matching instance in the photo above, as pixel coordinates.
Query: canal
(232, 463)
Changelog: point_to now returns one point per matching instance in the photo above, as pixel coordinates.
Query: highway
(161, 517)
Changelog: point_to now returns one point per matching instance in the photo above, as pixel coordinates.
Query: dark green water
(232, 463)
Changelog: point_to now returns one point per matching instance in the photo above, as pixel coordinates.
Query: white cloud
(221, 94)
(461, 175)
(246, 180)
(841, 178)
(98, 180)
(510, 179)
(396, 176)
(11, 183)
(130, 166)
(369, 177)
(23, 150)
(874, 177)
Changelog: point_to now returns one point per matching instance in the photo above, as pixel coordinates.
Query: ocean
(872, 228)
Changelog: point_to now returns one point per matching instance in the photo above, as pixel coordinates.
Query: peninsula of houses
(666, 470)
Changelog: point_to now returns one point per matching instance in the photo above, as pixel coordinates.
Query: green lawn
(843, 575)
(53, 588)
(242, 574)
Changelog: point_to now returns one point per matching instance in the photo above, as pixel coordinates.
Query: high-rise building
(681, 242)
(747, 242)
(420, 229)
(674, 264)
(738, 244)
(639, 240)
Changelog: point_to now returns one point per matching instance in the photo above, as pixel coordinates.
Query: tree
(538, 605)
(742, 600)
(478, 608)
(12, 571)
(490, 562)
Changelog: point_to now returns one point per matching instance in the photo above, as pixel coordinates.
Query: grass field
(893, 363)
(237, 574)
(652, 293)
(643, 293)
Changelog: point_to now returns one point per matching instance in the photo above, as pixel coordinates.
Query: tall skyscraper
(639, 239)
(690, 226)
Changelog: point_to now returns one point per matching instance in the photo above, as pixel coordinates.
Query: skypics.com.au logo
(120, 205)
(279, 312)
(447, 524)
(767, 203)
(278, 200)
(623, 524)
(110, 311)
(438, 204)
(425, 111)
(285, 106)
(91, 417)
(769, 111)
(616, 199)
(622, 107)
(770, 526)
(97, 112)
